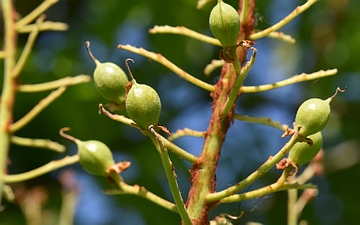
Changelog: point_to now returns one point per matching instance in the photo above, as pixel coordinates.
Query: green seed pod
(312, 115)
(224, 23)
(143, 104)
(95, 156)
(302, 152)
(110, 80)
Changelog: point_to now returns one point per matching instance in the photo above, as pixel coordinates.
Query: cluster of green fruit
(142, 104)
(312, 116)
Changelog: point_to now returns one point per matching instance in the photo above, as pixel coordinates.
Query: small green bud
(224, 23)
(95, 156)
(143, 104)
(110, 80)
(302, 152)
(312, 115)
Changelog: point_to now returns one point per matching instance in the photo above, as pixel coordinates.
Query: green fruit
(224, 23)
(110, 80)
(95, 157)
(312, 116)
(143, 105)
(302, 152)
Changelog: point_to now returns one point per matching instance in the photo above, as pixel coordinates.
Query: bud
(302, 152)
(224, 23)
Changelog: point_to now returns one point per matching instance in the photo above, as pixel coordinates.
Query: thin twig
(139, 191)
(281, 36)
(244, 12)
(283, 22)
(265, 191)
(186, 32)
(37, 109)
(35, 13)
(257, 174)
(66, 81)
(8, 88)
(261, 120)
(171, 146)
(38, 143)
(213, 65)
(28, 46)
(45, 26)
(292, 215)
(186, 132)
(240, 77)
(171, 177)
(292, 80)
(165, 62)
(51, 166)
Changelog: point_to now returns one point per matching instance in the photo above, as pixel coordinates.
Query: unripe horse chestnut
(314, 114)
(110, 80)
(224, 23)
(302, 152)
(95, 156)
(143, 104)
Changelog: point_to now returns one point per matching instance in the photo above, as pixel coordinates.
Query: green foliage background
(327, 37)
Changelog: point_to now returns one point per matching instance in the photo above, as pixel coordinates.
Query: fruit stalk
(8, 89)
(171, 177)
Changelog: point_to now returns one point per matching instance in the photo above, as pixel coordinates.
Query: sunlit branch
(28, 46)
(45, 26)
(38, 143)
(165, 62)
(51, 166)
(37, 109)
(186, 32)
(283, 22)
(292, 80)
(186, 132)
(261, 120)
(35, 13)
(66, 81)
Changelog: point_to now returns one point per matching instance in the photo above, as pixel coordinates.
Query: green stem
(186, 32)
(264, 168)
(292, 212)
(240, 77)
(28, 46)
(283, 22)
(45, 26)
(138, 191)
(165, 62)
(66, 81)
(261, 120)
(171, 177)
(171, 146)
(35, 13)
(266, 191)
(292, 80)
(38, 143)
(8, 89)
(186, 132)
(238, 82)
(244, 12)
(51, 166)
(37, 109)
